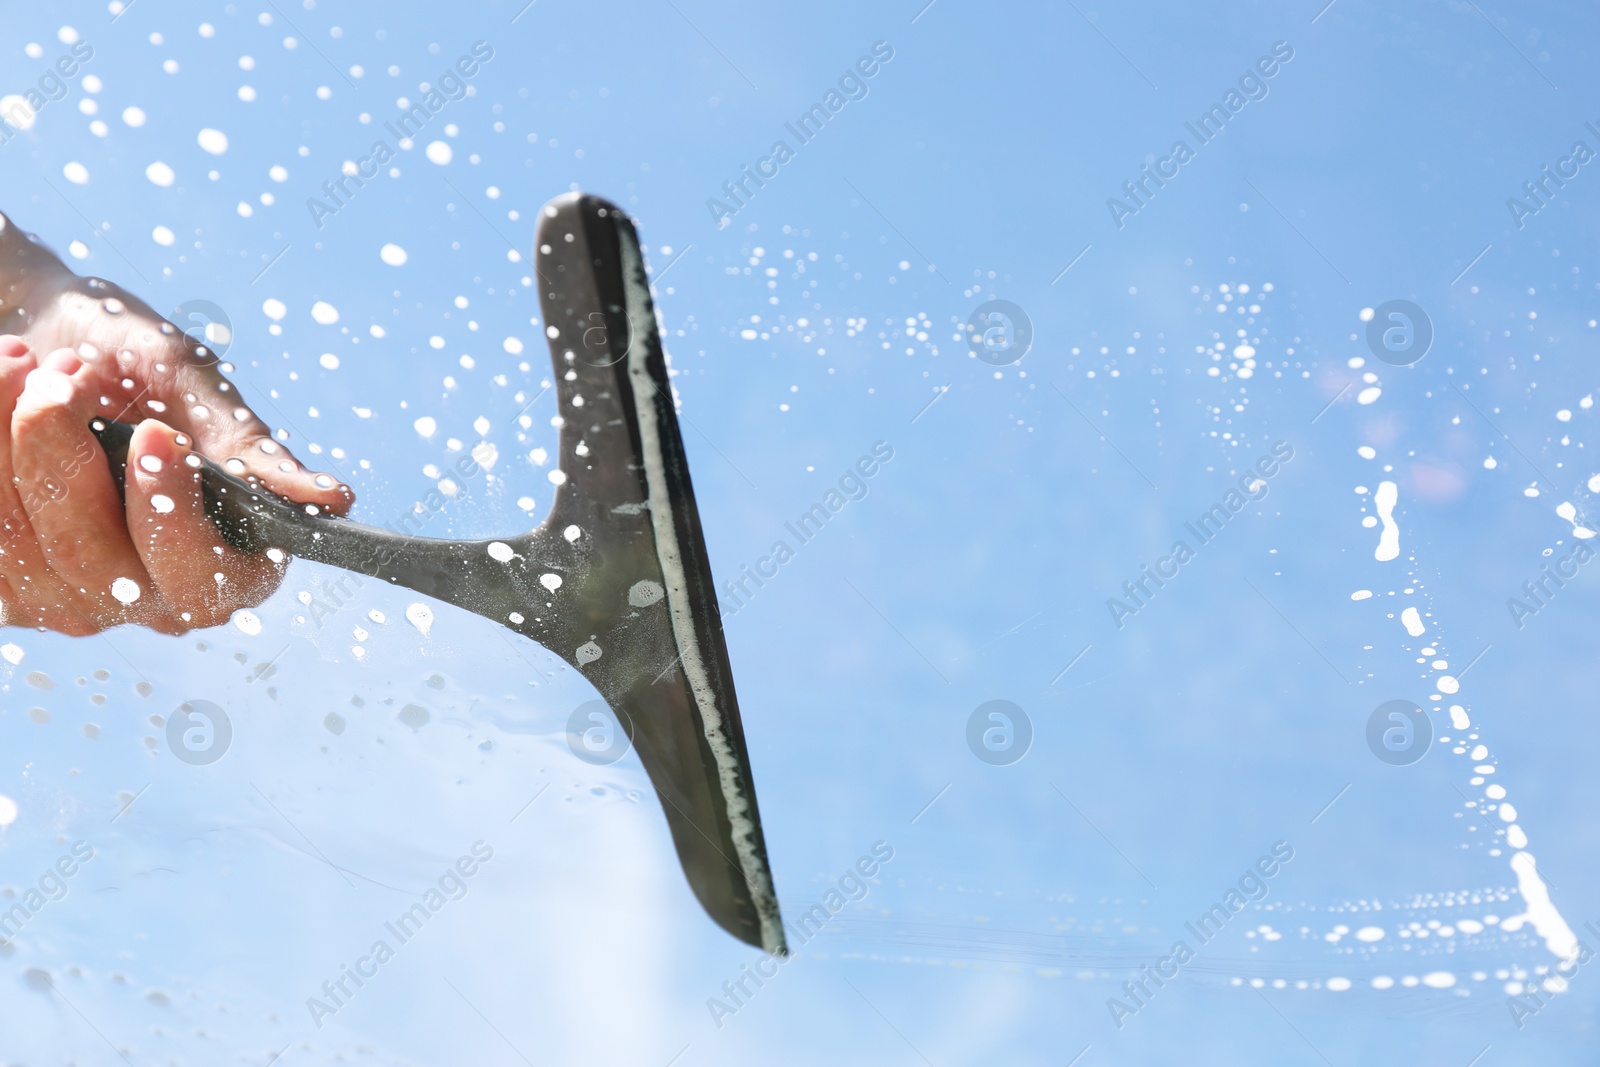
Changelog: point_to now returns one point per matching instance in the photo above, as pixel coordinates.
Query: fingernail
(153, 448)
(48, 385)
(64, 360)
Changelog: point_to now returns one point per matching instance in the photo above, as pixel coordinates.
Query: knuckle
(65, 620)
(33, 414)
(39, 415)
(14, 371)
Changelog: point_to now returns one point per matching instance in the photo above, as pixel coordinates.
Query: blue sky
(1229, 713)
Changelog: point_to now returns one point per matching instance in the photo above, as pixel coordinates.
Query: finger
(148, 368)
(208, 407)
(161, 373)
(37, 596)
(16, 533)
(16, 362)
(68, 492)
(200, 578)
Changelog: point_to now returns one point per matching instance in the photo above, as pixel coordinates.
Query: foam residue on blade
(695, 663)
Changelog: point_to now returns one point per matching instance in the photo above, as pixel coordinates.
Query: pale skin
(73, 349)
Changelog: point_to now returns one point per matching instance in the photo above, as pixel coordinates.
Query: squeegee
(615, 581)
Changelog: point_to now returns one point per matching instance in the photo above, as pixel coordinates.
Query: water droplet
(420, 616)
(213, 141)
(18, 112)
(644, 593)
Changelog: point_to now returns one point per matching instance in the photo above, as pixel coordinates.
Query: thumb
(186, 389)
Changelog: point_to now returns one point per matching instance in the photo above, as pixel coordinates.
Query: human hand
(74, 557)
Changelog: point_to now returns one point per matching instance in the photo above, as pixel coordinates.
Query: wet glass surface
(1203, 671)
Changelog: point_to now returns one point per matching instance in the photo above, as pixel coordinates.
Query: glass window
(686, 534)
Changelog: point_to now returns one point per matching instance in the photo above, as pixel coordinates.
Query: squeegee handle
(248, 518)
(252, 518)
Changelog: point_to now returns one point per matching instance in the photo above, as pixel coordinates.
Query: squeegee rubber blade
(626, 471)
